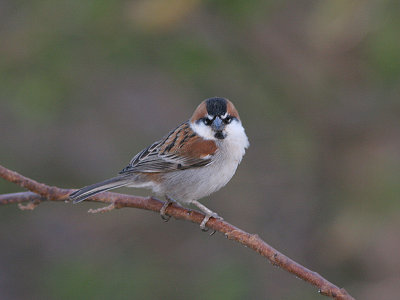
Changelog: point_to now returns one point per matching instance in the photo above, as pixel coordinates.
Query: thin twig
(252, 241)
(20, 198)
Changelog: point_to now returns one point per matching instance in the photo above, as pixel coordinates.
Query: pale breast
(192, 184)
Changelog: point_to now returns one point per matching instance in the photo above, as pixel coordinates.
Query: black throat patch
(216, 106)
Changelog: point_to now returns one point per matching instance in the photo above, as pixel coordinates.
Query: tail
(99, 187)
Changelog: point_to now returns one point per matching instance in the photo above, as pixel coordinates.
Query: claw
(163, 209)
(165, 218)
(204, 222)
(208, 214)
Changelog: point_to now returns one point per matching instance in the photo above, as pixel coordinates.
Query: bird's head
(215, 118)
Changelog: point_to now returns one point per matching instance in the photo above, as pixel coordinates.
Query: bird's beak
(218, 126)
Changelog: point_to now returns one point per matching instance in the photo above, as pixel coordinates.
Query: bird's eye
(228, 119)
(207, 121)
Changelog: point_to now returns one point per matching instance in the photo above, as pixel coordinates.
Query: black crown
(216, 106)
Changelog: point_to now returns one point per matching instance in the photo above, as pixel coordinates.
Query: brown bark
(40, 192)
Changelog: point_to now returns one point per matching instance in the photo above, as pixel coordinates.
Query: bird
(191, 162)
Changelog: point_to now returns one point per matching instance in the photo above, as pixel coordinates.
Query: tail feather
(99, 187)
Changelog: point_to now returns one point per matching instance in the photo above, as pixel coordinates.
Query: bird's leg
(208, 214)
(168, 202)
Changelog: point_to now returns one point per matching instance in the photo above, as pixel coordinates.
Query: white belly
(193, 184)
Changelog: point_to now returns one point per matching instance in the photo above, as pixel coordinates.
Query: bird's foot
(163, 209)
(208, 214)
(206, 219)
(168, 202)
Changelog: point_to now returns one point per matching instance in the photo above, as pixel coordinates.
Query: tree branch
(41, 192)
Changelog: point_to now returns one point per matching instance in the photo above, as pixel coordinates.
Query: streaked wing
(180, 149)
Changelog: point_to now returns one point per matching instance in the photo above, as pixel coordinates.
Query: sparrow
(192, 161)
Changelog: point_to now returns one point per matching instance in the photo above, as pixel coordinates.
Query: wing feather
(180, 149)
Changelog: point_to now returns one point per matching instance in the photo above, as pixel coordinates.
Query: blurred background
(85, 85)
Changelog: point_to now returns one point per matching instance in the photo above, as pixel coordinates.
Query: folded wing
(181, 149)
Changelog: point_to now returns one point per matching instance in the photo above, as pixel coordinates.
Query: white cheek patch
(203, 130)
(235, 132)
